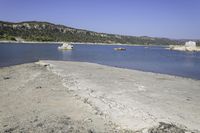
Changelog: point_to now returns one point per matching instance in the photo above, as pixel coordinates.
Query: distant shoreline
(30, 42)
(90, 43)
(184, 48)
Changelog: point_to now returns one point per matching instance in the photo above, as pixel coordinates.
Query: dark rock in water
(166, 128)
(119, 49)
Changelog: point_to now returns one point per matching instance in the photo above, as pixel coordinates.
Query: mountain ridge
(46, 31)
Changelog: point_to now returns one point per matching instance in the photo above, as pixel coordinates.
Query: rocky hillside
(44, 31)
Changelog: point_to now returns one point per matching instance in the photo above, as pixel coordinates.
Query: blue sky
(157, 18)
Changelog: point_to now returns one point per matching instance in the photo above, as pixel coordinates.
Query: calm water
(153, 59)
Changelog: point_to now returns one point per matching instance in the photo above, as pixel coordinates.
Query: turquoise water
(152, 59)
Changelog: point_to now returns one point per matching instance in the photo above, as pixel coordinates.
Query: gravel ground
(52, 96)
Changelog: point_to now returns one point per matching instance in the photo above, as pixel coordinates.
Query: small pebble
(5, 78)
(5, 125)
(38, 87)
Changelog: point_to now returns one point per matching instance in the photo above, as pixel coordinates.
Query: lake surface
(152, 59)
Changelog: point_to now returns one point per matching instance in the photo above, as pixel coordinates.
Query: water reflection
(66, 54)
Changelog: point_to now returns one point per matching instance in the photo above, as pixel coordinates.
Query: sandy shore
(56, 96)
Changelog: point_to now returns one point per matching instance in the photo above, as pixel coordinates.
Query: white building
(190, 44)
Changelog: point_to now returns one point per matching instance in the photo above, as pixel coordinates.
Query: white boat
(66, 46)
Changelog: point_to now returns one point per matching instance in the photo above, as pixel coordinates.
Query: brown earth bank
(53, 96)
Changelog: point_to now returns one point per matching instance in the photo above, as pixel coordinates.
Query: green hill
(44, 31)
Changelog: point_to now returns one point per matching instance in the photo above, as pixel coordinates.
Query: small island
(189, 46)
(66, 46)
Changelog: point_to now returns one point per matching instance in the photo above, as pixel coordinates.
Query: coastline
(29, 42)
(82, 43)
(126, 100)
(184, 48)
